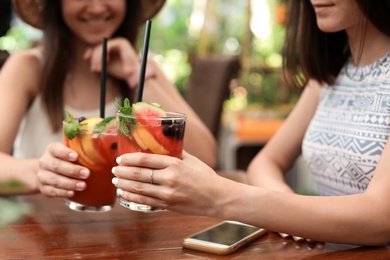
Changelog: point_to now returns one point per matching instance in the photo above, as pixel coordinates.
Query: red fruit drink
(149, 129)
(95, 141)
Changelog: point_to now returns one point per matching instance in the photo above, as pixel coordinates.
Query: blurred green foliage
(18, 37)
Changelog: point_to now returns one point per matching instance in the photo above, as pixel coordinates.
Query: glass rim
(168, 115)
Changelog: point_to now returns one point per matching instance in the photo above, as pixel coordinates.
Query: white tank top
(35, 132)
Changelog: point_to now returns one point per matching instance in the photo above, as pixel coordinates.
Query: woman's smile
(90, 21)
(96, 24)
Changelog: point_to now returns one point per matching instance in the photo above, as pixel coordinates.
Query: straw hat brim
(30, 11)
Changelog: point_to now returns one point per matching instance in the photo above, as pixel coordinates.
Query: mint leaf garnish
(72, 128)
(126, 124)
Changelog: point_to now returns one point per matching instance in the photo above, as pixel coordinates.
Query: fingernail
(113, 170)
(80, 186)
(84, 173)
(298, 239)
(118, 160)
(119, 192)
(69, 193)
(73, 156)
(284, 235)
(114, 181)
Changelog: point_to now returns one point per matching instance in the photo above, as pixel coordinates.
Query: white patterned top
(350, 129)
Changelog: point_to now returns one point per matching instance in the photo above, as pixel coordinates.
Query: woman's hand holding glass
(58, 174)
(184, 186)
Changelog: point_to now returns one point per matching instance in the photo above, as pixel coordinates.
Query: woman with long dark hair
(339, 51)
(63, 73)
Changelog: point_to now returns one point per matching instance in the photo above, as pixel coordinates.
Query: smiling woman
(63, 73)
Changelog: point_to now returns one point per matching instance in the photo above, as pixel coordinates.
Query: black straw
(103, 79)
(144, 60)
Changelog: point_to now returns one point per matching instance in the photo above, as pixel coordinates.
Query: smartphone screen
(227, 233)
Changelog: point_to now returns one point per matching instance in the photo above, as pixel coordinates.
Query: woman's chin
(328, 28)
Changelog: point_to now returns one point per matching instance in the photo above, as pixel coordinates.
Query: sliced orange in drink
(146, 140)
(86, 140)
(75, 144)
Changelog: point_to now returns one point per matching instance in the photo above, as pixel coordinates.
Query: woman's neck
(366, 49)
(82, 87)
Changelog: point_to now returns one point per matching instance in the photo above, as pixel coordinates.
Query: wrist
(135, 77)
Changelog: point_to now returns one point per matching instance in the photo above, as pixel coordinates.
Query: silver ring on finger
(151, 176)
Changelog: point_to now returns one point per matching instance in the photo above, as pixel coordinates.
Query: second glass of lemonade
(150, 131)
(95, 141)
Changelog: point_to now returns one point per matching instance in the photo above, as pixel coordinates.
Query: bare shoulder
(315, 87)
(22, 70)
(31, 56)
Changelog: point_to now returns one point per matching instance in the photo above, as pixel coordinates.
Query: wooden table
(51, 231)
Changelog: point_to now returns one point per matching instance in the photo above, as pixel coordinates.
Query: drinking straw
(103, 78)
(144, 60)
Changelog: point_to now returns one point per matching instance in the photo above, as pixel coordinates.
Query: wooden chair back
(209, 87)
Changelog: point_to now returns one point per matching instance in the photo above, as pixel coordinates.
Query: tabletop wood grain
(52, 231)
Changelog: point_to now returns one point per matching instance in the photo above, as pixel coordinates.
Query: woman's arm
(269, 166)
(18, 86)
(188, 186)
(17, 176)
(354, 219)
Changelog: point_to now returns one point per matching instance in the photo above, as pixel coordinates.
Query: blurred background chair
(209, 87)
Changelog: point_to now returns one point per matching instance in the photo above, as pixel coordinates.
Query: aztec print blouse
(350, 129)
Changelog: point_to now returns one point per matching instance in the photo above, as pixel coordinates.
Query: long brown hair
(311, 53)
(58, 55)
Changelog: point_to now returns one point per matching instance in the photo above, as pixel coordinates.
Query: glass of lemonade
(95, 141)
(149, 129)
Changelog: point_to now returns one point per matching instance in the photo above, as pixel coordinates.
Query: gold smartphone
(223, 238)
